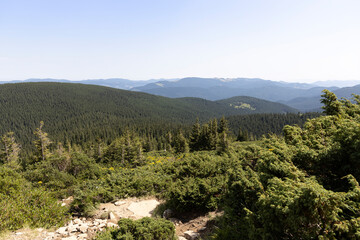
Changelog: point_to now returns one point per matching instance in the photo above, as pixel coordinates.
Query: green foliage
(331, 104)
(180, 144)
(22, 205)
(198, 181)
(125, 151)
(142, 229)
(251, 105)
(304, 186)
(79, 113)
(209, 136)
(193, 181)
(257, 125)
(62, 170)
(9, 155)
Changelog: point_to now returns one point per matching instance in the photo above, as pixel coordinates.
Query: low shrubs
(22, 205)
(196, 181)
(142, 229)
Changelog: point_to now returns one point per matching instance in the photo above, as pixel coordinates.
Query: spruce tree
(10, 152)
(195, 136)
(42, 143)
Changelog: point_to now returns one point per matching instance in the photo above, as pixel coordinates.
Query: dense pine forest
(300, 181)
(81, 114)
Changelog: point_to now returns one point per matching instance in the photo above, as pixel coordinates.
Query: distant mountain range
(301, 96)
(119, 83)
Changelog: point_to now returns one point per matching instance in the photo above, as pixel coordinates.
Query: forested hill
(256, 105)
(78, 112)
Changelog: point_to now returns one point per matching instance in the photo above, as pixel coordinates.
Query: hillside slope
(255, 105)
(79, 113)
(313, 103)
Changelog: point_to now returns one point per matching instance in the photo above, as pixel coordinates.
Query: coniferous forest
(273, 176)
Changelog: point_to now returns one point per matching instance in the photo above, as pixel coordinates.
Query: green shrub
(22, 205)
(142, 229)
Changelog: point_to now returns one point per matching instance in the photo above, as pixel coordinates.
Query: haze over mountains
(302, 96)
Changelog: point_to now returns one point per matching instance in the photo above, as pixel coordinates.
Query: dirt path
(108, 214)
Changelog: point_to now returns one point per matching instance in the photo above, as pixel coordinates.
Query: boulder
(112, 216)
(83, 228)
(191, 235)
(167, 213)
(62, 230)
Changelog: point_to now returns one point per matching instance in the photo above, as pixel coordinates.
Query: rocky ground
(187, 227)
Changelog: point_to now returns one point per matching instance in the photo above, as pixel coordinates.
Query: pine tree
(195, 136)
(331, 104)
(223, 127)
(223, 143)
(180, 144)
(42, 144)
(11, 150)
(213, 138)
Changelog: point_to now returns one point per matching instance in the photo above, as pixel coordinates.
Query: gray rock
(83, 228)
(73, 228)
(112, 216)
(191, 235)
(167, 213)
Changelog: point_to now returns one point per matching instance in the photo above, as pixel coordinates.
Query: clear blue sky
(290, 40)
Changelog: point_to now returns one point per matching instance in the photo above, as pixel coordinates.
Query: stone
(19, 233)
(102, 225)
(83, 228)
(167, 213)
(181, 238)
(119, 203)
(73, 228)
(143, 208)
(70, 238)
(77, 221)
(110, 224)
(202, 229)
(100, 220)
(191, 235)
(82, 236)
(112, 216)
(62, 230)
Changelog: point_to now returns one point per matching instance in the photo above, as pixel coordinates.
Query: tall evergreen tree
(331, 104)
(10, 152)
(42, 143)
(195, 136)
(180, 144)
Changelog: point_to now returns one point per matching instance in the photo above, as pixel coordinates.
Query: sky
(287, 40)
